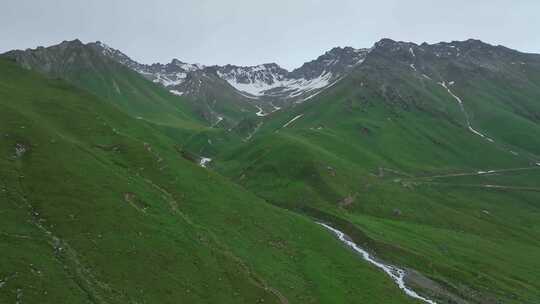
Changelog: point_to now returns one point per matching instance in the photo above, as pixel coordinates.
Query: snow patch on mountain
(290, 87)
(107, 50)
(204, 161)
(170, 80)
(254, 82)
(176, 92)
(261, 111)
(292, 120)
(270, 80)
(188, 67)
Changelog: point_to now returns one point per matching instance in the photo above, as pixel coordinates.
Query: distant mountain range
(268, 87)
(124, 182)
(265, 81)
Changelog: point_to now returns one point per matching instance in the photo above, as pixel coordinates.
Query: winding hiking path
(487, 186)
(478, 173)
(430, 179)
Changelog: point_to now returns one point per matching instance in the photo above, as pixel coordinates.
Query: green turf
(101, 208)
(101, 192)
(362, 157)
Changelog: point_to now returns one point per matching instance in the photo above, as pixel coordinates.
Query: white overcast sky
(250, 32)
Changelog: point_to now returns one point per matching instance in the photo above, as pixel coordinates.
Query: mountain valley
(399, 173)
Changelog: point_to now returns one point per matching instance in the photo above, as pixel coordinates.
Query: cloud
(249, 32)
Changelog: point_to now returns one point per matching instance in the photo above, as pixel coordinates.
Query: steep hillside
(215, 100)
(270, 81)
(265, 82)
(229, 93)
(87, 68)
(98, 207)
(430, 151)
(427, 156)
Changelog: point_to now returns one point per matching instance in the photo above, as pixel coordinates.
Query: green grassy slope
(362, 153)
(98, 207)
(193, 123)
(85, 67)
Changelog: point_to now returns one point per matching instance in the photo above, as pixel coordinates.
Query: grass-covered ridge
(99, 207)
(426, 159)
(388, 152)
(87, 68)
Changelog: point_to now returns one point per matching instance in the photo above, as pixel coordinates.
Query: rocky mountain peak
(260, 81)
(71, 43)
(336, 62)
(462, 50)
(176, 62)
(54, 60)
(391, 46)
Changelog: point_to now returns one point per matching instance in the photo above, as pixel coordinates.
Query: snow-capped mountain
(253, 80)
(270, 80)
(169, 75)
(263, 82)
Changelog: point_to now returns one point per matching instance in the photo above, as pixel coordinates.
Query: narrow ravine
(446, 85)
(462, 107)
(396, 274)
(248, 138)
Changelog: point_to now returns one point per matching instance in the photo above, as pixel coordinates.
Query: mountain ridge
(424, 155)
(268, 80)
(86, 67)
(232, 93)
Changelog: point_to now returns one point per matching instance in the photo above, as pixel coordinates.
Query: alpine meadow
(400, 172)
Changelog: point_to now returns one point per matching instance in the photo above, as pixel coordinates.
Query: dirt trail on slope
(477, 173)
(486, 186)
(97, 291)
(253, 277)
(428, 180)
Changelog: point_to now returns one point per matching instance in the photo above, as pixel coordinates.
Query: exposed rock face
(348, 201)
(53, 60)
(428, 59)
(253, 82)
(228, 94)
(20, 150)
